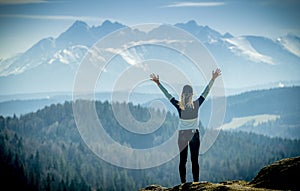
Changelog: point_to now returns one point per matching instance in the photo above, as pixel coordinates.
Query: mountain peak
(188, 24)
(78, 33)
(77, 27)
(79, 23)
(227, 35)
(203, 33)
(105, 28)
(192, 22)
(108, 23)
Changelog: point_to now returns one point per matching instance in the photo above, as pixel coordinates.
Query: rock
(283, 174)
(154, 188)
(237, 185)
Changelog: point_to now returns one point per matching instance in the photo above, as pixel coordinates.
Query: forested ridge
(44, 151)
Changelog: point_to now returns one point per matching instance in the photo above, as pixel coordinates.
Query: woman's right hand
(216, 73)
(155, 78)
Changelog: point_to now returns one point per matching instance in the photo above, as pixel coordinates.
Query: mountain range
(247, 62)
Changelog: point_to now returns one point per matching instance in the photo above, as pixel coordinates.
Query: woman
(188, 133)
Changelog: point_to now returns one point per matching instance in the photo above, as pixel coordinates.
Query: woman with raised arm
(188, 133)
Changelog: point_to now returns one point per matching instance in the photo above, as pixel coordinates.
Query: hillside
(43, 150)
(258, 112)
(280, 175)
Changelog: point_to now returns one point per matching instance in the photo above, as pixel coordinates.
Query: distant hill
(272, 112)
(276, 112)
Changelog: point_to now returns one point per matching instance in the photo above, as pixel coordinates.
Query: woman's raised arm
(155, 78)
(215, 74)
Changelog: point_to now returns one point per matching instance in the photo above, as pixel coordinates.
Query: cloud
(194, 4)
(51, 17)
(14, 2)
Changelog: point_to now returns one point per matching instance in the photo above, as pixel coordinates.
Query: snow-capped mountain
(51, 64)
(36, 55)
(78, 37)
(251, 60)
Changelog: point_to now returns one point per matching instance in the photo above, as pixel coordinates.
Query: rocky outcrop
(281, 175)
(197, 186)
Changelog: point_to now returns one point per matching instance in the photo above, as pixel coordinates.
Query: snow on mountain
(51, 64)
(257, 49)
(6, 66)
(71, 55)
(274, 49)
(33, 57)
(78, 36)
(291, 43)
(241, 46)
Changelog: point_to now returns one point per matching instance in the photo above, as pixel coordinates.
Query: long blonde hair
(186, 98)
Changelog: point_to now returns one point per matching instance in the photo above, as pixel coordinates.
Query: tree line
(43, 150)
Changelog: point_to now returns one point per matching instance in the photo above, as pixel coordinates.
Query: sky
(25, 22)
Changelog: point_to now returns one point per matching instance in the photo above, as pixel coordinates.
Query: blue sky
(23, 23)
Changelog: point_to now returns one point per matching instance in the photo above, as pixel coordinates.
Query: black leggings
(189, 138)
